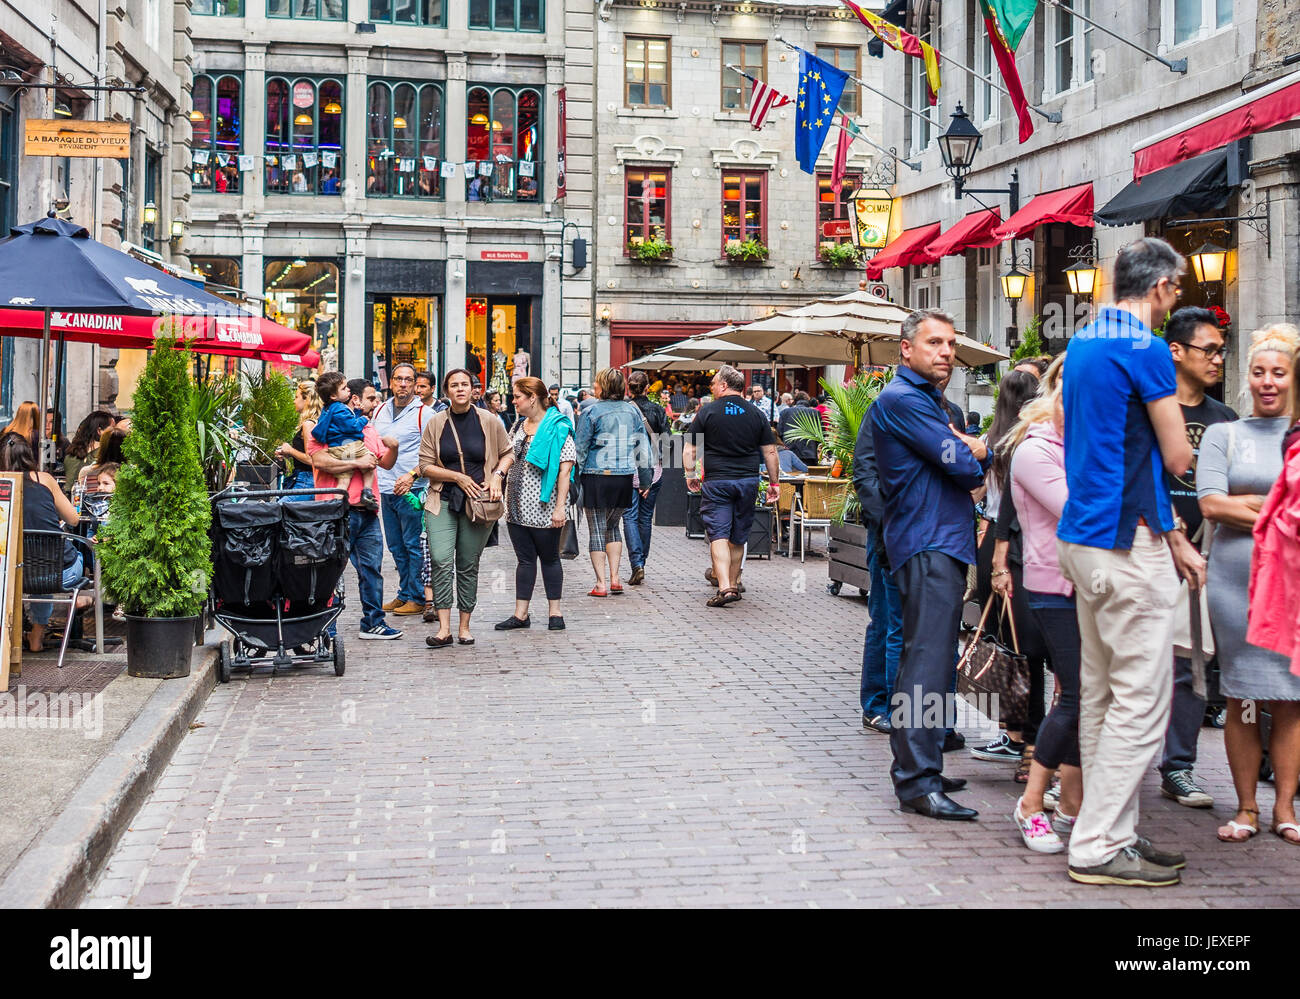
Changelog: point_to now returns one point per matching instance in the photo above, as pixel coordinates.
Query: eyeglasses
(1210, 352)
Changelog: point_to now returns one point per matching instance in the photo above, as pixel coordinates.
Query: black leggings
(533, 544)
(1058, 735)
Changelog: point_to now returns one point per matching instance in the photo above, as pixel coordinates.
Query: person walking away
(1197, 346)
(1236, 473)
(1118, 546)
(403, 418)
(927, 472)
(883, 643)
(638, 519)
(1034, 451)
(734, 437)
(613, 446)
(364, 534)
(539, 472)
(461, 453)
(341, 429)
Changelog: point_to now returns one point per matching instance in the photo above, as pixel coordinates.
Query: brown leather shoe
(407, 608)
(430, 613)
(393, 604)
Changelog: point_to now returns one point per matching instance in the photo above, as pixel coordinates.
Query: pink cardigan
(1275, 567)
(1038, 489)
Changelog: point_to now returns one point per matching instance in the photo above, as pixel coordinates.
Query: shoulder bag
(480, 510)
(987, 669)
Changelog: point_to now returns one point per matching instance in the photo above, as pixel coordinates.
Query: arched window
(216, 124)
(404, 140)
(304, 136)
(503, 140)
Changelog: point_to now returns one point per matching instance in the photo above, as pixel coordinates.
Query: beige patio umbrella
(663, 360)
(856, 329)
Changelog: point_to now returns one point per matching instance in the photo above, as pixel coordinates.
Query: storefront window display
(303, 294)
(496, 340)
(404, 330)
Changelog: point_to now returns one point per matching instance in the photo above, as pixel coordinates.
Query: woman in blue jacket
(613, 445)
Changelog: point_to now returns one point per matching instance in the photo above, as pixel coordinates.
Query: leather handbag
(988, 669)
(480, 509)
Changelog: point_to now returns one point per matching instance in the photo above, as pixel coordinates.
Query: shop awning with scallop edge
(1196, 185)
(911, 247)
(1275, 106)
(974, 231)
(1072, 205)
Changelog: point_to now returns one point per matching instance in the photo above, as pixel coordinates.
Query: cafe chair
(43, 574)
(811, 512)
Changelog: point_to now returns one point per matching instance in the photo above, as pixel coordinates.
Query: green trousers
(455, 548)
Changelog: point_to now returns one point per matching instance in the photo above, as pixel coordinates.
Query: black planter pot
(848, 556)
(694, 519)
(160, 647)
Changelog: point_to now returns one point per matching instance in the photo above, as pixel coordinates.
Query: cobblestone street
(656, 753)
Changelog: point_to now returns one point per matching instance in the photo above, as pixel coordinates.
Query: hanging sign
(61, 137)
(562, 100)
(304, 94)
(871, 209)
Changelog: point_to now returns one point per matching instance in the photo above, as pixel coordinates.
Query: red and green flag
(898, 39)
(1006, 21)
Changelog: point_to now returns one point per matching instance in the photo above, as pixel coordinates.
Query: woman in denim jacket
(613, 445)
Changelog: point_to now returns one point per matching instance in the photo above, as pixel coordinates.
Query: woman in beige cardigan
(465, 453)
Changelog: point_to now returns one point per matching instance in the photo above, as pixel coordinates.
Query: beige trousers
(1125, 602)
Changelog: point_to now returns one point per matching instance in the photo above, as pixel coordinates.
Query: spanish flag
(898, 39)
(1006, 21)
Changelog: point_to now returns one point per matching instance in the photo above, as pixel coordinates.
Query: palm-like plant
(212, 405)
(837, 436)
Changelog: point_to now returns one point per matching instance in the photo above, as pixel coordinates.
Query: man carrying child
(340, 429)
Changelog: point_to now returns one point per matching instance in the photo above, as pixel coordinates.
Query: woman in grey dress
(1237, 465)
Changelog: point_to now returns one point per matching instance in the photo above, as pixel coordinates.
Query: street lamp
(959, 145)
(178, 228)
(150, 213)
(1013, 285)
(1081, 276)
(1209, 262)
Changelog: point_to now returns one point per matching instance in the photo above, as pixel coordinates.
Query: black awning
(1196, 185)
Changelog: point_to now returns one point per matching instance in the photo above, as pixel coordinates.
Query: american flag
(762, 100)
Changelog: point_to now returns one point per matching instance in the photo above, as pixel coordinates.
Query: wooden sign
(64, 137)
(11, 585)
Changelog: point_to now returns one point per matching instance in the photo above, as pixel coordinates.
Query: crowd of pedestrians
(1103, 477)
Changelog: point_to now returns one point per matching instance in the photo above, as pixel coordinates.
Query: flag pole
(1175, 65)
(863, 83)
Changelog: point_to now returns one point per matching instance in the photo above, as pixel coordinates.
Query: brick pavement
(657, 753)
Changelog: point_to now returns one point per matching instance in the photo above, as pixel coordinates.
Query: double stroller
(276, 581)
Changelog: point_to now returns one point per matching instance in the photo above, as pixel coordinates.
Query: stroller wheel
(224, 657)
(339, 659)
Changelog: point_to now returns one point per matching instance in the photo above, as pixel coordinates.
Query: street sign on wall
(837, 228)
(61, 137)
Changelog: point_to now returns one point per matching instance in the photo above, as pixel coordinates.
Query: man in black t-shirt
(804, 451)
(1197, 346)
(733, 435)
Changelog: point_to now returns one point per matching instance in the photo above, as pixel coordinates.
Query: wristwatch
(1180, 524)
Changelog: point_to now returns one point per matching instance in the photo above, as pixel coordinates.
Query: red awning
(1073, 205)
(975, 230)
(1274, 106)
(911, 247)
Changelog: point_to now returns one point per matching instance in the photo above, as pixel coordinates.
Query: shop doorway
(404, 329)
(498, 334)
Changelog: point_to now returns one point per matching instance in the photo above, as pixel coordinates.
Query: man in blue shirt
(1118, 545)
(927, 469)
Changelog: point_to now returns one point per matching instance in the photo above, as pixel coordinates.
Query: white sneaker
(1037, 832)
(1052, 795)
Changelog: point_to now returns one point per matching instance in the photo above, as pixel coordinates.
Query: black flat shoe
(556, 624)
(877, 723)
(937, 805)
(953, 741)
(951, 784)
(463, 641)
(511, 623)
(434, 642)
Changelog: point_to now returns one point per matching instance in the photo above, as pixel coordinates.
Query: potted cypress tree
(154, 550)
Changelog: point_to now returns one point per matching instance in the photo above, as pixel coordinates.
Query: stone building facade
(137, 43)
(677, 159)
(1110, 97)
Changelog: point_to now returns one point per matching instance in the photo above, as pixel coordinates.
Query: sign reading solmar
(55, 137)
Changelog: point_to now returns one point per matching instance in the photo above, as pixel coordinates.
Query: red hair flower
(1222, 316)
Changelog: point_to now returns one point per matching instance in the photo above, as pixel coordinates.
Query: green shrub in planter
(154, 549)
(650, 251)
(840, 254)
(749, 251)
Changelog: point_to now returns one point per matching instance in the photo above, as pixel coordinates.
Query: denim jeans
(884, 641)
(41, 610)
(638, 519)
(368, 559)
(403, 525)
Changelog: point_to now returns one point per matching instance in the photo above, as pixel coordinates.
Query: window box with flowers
(655, 250)
(843, 255)
(747, 251)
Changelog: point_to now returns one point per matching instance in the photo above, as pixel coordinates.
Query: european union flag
(820, 86)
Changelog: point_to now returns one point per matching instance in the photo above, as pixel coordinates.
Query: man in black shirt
(733, 435)
(638, 519)
(1197, 346)
(801, 453)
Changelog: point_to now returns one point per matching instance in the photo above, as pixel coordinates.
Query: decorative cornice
(649, 149)
(747, 153)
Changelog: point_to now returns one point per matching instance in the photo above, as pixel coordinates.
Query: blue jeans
(367, 557)
(791, 463)
(638, 519)
(884, 641)
(302, 479)
(41, 610)
(403, 525)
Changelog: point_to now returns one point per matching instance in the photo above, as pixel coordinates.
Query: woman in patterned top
(540, 469)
